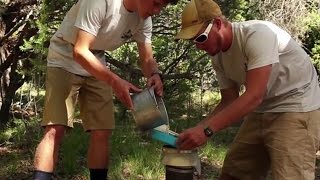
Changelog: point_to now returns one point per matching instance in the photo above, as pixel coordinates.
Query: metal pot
(183, 159)
(149, 110)
(179, 173)
(175, 157)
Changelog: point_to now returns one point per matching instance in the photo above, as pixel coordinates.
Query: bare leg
(98, 153)
(46, 154)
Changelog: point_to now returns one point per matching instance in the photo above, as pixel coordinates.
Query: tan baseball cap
(194, 15)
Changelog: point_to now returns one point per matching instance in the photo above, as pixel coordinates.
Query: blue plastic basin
(164, 137)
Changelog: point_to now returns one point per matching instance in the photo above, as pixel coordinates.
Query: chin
(213, 53)
(210, 53)
(147, 15)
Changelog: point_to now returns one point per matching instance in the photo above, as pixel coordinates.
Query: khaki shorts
(64, 89)
(286, 143)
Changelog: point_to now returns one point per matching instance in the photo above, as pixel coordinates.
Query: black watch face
(208, 132)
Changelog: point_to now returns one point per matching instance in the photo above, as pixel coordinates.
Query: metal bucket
(149, 110)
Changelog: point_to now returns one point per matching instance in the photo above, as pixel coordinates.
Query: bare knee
(100, 134)
(54, 133)
(227, 177)
(99, 147)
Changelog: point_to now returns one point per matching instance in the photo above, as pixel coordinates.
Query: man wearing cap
(280, 103)
(77, 70)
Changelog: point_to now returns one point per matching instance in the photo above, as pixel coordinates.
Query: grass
(134, 154)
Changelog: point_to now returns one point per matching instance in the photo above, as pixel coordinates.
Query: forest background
(26, 27)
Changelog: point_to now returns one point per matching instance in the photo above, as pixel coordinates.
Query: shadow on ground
(15, 164)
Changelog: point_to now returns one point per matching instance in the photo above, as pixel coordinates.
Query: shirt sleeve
(91, 15)
(144, 33)
(261, 47)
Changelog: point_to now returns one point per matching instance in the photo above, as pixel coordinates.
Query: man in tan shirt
(77, 69)
(280, 103)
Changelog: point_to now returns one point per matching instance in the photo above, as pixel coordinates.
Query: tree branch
(15, 28)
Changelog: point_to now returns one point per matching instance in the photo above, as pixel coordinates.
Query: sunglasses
(203, 37)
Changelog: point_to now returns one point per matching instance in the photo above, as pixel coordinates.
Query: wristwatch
(207, 131)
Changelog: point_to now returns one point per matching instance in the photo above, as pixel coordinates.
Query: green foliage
(28, 95)
(312, 37)
(17, 145)
(312, 22)
(73, 152)
(47, 21)
(18, 131)
(316, 54)
(234, 10)
(13, 164)
(131, 152)
(186, 99)
(134, 154)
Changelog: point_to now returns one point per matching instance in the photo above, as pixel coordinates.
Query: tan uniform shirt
(292, 86)
(108, 20)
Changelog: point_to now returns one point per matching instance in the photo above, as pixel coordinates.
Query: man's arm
(89, 62)
(147, 62)
(227, 97)
(256, 86)
(149, 67)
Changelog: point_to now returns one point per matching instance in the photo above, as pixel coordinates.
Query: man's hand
(156, 81)
(192, 138)
(122, 89)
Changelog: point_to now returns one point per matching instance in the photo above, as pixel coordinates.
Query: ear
(218, 23)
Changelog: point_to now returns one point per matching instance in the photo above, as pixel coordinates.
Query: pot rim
(172, 150)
